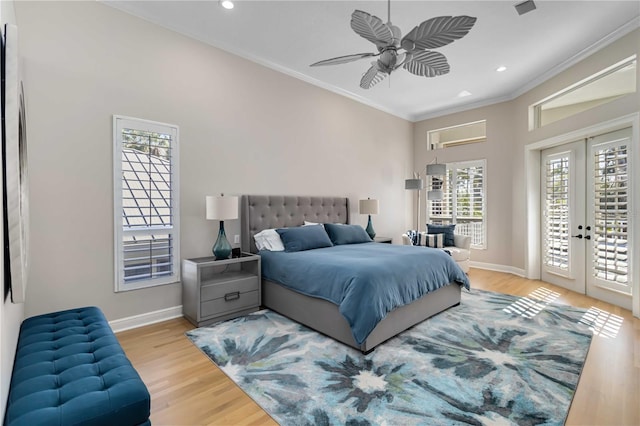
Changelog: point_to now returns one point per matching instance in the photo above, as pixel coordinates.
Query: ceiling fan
(412, 52)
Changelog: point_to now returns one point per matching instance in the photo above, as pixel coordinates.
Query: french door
(586, 224)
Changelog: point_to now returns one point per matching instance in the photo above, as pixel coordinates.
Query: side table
(217, 290)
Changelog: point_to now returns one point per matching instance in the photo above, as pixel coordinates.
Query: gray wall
(243, 129)
(498, 152)
(628, 104)
(508, 134)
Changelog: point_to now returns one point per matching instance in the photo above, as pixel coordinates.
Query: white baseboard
(147, 318)
(499, 268)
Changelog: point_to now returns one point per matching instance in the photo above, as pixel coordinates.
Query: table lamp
(221, 208)
(369, 207)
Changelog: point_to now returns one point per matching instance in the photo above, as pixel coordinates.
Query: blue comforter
(366, 281)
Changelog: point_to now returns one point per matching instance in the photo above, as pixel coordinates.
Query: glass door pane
(609, 202)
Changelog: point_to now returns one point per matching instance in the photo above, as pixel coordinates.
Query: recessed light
(227, 4)
(501, 68)
(463, 94)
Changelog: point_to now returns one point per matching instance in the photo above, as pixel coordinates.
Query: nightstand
(386, 240)
(217, 290)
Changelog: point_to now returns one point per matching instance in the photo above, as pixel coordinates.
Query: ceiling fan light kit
(412, 52)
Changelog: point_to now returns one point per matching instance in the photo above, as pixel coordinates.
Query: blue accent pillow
(304, 238)
(346, 234)
(414, 237)
(447, 230)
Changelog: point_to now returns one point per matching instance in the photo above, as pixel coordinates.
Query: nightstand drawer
(240, 283)
(232, 301)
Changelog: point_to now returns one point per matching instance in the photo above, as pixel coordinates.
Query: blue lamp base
(370, 230)
(221, 249)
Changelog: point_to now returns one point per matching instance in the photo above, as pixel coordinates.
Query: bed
(259, 212)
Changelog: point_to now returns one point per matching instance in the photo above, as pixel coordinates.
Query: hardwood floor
(188, 389)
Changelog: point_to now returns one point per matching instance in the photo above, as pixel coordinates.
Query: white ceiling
(290, 35)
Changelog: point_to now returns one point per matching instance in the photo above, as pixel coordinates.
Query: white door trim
(532, 192)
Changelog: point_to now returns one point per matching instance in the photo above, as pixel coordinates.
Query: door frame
(533, 221)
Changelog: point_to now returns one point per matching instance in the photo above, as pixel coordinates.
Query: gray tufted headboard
(259, 212)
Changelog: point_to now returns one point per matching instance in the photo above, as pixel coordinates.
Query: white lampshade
(436, 169)
(413, 184)
(435, 194)
(369, 206)
(221, 207)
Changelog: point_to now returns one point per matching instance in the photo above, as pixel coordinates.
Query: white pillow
(269, 239)
(311, 223)
(260, 239)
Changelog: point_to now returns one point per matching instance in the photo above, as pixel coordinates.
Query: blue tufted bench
(70, 370)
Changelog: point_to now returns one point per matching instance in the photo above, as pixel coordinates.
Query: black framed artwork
(14, 157)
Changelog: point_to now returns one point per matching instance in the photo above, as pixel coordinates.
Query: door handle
(578, 236)
(587, 237)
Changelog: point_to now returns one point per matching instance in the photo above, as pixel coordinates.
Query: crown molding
(583, 54)
(627, 28)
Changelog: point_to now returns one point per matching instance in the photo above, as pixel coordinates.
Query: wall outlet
(236, 239)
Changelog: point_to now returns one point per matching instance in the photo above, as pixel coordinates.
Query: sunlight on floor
(532, 304)
(602, 323)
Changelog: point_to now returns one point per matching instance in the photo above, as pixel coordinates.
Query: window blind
(463, 201)
(611, 186)
(556, 213)
(469, 203)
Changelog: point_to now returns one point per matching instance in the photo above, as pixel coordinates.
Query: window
(462, 134)
(464, 201)
(604, 86)
(146, 203)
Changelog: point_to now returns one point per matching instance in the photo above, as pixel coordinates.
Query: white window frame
(450, 189)
(120, 123)
(535, 110)
(433, 136)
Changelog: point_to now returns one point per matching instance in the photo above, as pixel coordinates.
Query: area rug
(494, 359)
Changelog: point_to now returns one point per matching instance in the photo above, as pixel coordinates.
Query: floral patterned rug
(494, 359)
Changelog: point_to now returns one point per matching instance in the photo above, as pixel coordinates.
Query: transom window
(462, 134)
(604, 86)
(146, 201)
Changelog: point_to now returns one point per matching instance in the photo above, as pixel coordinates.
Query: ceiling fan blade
(372, 28)
(438, 32)
(372, 77)
(428, 64)
(343, 59)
